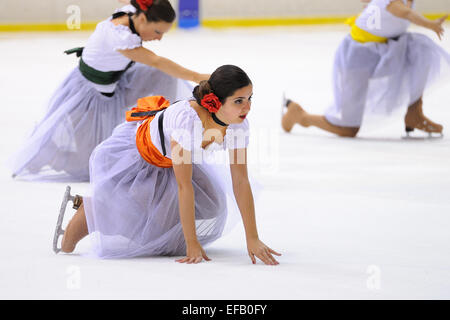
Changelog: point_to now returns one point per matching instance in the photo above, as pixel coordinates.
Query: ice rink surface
(364, 218)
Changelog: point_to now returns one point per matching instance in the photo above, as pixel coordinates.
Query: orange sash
(146, 148)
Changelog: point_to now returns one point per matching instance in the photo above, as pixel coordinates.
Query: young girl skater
(380, 67)
(151, 192)
(114, 71)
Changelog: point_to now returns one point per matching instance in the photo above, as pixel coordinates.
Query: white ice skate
(76, 200)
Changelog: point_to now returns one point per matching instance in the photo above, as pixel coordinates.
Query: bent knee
(349, 132)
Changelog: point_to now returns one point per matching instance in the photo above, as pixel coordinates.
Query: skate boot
(287, 119)
(294, 114)
(284, 104)
(77, 201)
(415, 119)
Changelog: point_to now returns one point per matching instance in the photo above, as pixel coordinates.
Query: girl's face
(236, 107)
(150, 31)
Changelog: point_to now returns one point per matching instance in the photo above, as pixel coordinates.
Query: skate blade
(58, 230)
(429, 136)
(283, 104)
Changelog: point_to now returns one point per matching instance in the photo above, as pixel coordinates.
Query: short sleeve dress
(132, 209)
(377, 79)
(81, 113)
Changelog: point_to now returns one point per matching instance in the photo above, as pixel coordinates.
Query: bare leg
(415, 119)
(76, 230)
(296, 115)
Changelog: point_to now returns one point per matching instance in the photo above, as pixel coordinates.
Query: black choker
(130, 20)
(216, 120)
(132, 27)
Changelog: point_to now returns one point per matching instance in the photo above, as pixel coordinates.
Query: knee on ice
(349, 132)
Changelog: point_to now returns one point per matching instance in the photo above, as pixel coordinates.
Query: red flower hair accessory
(144, 4)
(211, 102)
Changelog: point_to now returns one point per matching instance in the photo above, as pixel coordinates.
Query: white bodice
(182, 124)
(380, 22)
(101, 52)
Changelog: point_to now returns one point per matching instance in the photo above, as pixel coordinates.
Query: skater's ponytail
(223, 83)
(155, 10)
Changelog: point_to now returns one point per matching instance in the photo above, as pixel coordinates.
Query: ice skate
(433, 130)
(430, 135)
(294, 114)
(287, 120)
(415, 119)
(77, 201)
(284, 104)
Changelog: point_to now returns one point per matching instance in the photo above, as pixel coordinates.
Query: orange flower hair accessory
(211, 102)
(144, 4)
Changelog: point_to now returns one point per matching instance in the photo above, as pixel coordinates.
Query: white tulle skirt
(132, 209)
(79, 117)
(378, 78)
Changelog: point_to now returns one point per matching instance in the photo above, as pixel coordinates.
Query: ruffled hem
(128, 47)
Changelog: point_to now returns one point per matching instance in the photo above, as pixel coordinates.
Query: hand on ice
(257, 248)
(194, 254)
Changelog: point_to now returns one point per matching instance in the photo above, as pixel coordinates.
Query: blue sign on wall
(188, 13)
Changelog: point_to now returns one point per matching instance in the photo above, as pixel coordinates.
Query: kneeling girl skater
(150, 196)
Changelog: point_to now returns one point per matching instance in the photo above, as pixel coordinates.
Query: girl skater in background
(149, 194)
(114, 71)
(380, 67)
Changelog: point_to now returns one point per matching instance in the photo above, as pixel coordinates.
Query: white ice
(364, 218)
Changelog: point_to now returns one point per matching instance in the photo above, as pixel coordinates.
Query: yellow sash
(361, 35)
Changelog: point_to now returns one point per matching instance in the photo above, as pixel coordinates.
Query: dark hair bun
(223, 83)
(202, 90)
(160, 10)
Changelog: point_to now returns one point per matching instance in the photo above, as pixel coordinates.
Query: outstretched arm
(145, 56)
(244, 198)
(183, 175)
(399, 9)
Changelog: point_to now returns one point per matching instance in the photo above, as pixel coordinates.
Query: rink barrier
(207, 23)
(45, 27)
(295, 21)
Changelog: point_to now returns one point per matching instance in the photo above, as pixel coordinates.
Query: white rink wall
(295, 8)
(55, 11)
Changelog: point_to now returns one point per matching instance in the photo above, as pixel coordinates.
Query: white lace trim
(129, 47)
(233, 132)
(124, 33)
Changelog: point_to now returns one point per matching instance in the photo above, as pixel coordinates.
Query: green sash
(96, 76)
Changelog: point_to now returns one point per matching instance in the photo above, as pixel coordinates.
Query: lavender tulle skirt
(379, 78)
(79, 117)
(132, 209)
